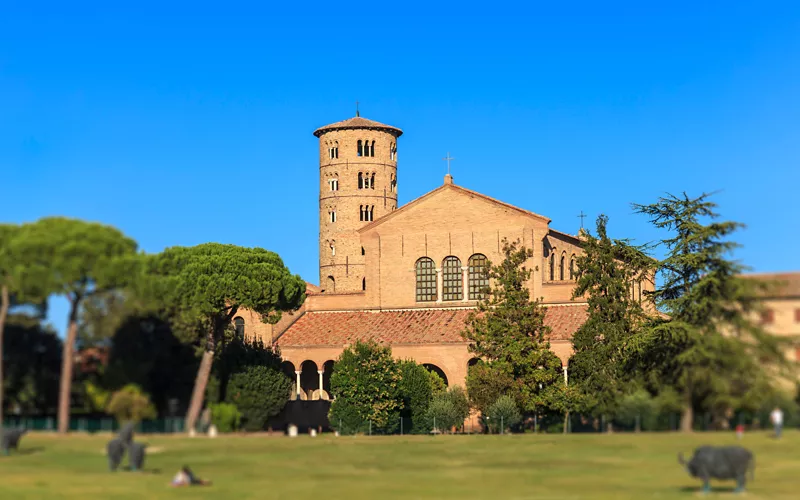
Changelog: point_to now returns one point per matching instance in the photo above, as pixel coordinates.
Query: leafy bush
(503, 412)
(638, 408)
(416, 391)
(259, 393)
(448, 409)
(234, 357)
(486, 382)
(225, 416)
(131, 404)
(367, 387)
(436, 382)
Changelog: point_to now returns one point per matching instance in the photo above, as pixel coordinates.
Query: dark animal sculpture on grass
(115, 449)
(136, 455)
(727, 462)
(126, 433)
(10, 439)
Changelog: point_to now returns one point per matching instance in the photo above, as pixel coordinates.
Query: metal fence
(95, 424)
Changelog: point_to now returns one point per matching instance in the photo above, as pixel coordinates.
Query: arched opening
(372, 149)
(288, 369)
(561, 267)
(360, 151)
(372, 181)
(326, 377)
(552, 266)
(393, 183)
(309, 380)
(336, 149)
(360, 180)
(438, 371)
(362, 251)
(330, 285)
(572, 270)
(238, 325)
(472, 362)
(363, 284)
(452, 283)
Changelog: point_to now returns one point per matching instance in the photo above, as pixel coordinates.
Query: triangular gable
(455, 189)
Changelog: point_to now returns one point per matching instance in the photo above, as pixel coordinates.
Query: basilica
(408, 276)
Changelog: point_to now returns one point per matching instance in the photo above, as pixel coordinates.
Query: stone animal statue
(115, 449)
(10, 439)
(725, 462)
(136, 455)
(125, 434)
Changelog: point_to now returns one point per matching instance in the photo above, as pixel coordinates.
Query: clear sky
(183, 124)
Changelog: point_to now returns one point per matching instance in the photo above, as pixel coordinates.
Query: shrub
(486, 382)
(131, 404)
(367, 387)
(448, 409)
(416, 391)
(638, 408)
(503, 412)
(436, 382)
(259, 393)
(225, 416)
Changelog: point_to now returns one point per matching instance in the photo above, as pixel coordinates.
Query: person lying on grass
(185, 477)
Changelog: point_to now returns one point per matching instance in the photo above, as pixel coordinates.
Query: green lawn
(495, 467)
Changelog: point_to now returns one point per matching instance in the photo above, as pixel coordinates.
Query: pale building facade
(408, 276)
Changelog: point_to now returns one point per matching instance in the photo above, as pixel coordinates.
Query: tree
(503, 413)
(606, 271)
(259, 393)
(78, 260)
(367, 387)
(201, 289)
(487, 382)
(508, 327)
(448, 409)
(707, 349)
(131, 404)
(417, 391)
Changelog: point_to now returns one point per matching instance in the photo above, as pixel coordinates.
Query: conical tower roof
(359, 122)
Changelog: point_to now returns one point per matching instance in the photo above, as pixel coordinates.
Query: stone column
(439, 283)
(320, 382)
(464, 283)
(298, 383)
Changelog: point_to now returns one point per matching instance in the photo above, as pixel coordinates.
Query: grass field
(326, 467)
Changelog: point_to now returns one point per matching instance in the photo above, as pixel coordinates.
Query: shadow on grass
(714, 489)
(28, 451)
(127, 468)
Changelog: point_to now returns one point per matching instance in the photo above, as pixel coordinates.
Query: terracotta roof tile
(782, 284)
(358, 122)
(420, 326)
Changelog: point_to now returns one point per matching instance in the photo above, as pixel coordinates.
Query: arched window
(561, 266)
(426, 280)
(363, 283)
(360, 180)
(478, 278)
(552, 266)
(360, 151)
(452, 284)
(334, 184)
(238, 324)
(336, 149)
(573, 273)
(393, 184)
(393, 151)
(370, 211)
(372, 149)
(330, 285)
(372, 181)
(332, 215)
(362, 251)
(333, 249)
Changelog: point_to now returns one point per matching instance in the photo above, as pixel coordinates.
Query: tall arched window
(330, 285)
(552, 266)
(360, 180)
(572, 270)
(363, 283)
(238, 324)
(478, 278)
(360, 151)
(372, 149)
(561, 266)
(393, 184)
(336, 149)
(452, 283)
(426, 280)
(372, 181)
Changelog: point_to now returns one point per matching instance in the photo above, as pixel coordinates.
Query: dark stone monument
(115, 449)
(10, 439)
(725, 462)
(136, 455)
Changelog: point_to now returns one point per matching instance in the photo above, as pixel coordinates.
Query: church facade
(408, 276)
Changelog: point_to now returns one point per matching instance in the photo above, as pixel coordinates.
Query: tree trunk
(67, 362)
(566, 420)
(201, 381)
(687, 417)
(4, 302)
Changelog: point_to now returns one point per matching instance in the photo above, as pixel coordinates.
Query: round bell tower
(357, 185)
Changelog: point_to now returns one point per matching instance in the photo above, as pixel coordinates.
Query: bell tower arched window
(426, 280)
(360, 150)
(238, 325)
(330, 285)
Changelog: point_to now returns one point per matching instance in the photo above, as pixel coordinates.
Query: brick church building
(408, 276)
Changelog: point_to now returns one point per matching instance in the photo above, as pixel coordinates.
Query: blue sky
(185, 124)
